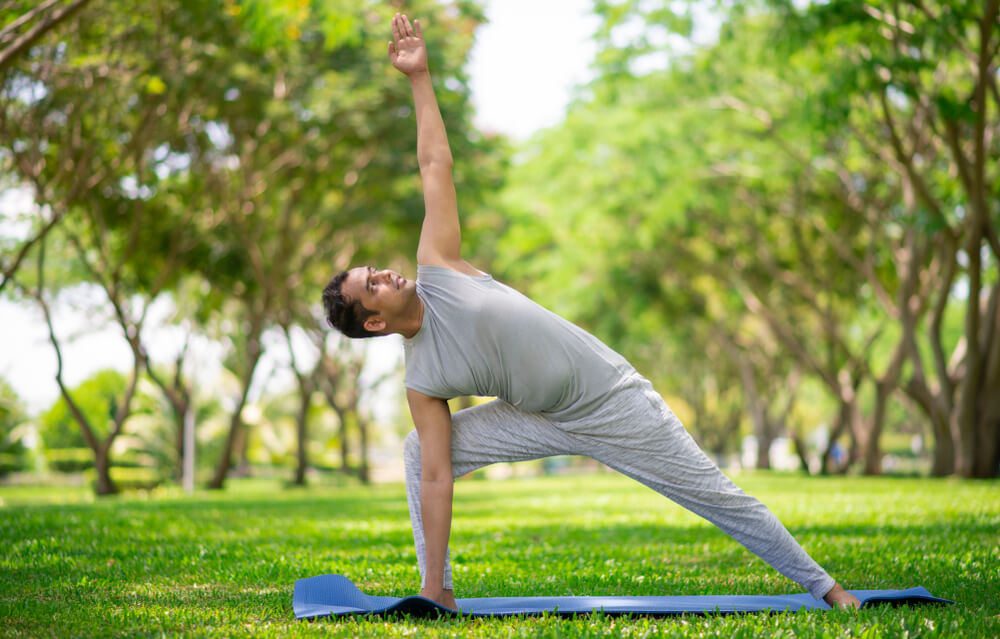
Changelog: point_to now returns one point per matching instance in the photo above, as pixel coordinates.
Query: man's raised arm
(440, 237)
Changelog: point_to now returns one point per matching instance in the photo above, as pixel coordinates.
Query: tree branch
(125, 407)
(907, 161)
(85, 427)
(11, 269)
(8, 31)
(10, 53)
(956, 41)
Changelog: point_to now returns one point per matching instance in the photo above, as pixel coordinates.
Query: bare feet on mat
(840, 598)
(444, 597)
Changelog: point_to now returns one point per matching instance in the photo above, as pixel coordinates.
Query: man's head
(365, 302)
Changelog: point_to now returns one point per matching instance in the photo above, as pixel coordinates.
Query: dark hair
(345, 315)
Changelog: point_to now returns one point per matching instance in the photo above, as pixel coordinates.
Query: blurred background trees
(791, 229)
(818, 187)
(13, 418)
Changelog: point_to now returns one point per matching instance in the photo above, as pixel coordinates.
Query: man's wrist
(418, 76)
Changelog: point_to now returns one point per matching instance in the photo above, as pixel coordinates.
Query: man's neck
(414, 320)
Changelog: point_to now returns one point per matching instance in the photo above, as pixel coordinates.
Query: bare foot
(840, 598)
(444, 597)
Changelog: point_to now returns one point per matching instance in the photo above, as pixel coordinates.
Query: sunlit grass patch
(223, 564)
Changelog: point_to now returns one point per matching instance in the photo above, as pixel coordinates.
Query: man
(560, 390)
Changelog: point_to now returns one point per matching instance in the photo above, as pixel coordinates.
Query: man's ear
(375, 324)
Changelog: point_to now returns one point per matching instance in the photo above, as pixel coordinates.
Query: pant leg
(481, 435)
(636, 434)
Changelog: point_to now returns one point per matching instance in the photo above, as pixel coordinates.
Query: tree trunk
(977, 425)
(986, 462)
(967, 419)
(801, 452)
(829, 465)
(755, 405)
(764, 441)
(102, 466)
(848, 421)
(243, 466)
(218, 480)
(363, 472)
(302, 432)
(943, 462)
(345, 466)
(179, 399)
(188, 471)
(178, 471)
(871, 451)
(182, 407)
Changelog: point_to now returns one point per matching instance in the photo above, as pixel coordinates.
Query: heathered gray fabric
(481, 337)
(563, 392)
(634, 432)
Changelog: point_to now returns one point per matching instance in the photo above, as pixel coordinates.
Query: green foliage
(276, 124)
(232, 154)
(13, 418)
(747, 203)
(97, 397)
(754, 194)
(642, 216)
(225, 564)
(132, 478)
(69, 460)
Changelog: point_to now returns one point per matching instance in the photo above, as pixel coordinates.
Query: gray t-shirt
(481, 337)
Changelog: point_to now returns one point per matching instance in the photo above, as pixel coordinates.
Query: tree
(340, 380)
(94, 409)
(13, 417)
(315, 167)
(915, 83)
(763, 172)
(25, 26)
(250, 145)
(102, 113)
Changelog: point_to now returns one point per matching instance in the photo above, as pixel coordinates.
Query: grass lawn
(223, 564)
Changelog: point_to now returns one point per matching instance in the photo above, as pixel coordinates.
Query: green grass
(224, 564)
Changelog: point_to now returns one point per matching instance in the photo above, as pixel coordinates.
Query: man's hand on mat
(444, 597)
(407, 51)
(840, 598)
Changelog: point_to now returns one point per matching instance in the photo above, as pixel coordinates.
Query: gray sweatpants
(635, 433)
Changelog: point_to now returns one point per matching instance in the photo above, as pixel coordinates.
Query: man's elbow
(439, 480)
(440, 161)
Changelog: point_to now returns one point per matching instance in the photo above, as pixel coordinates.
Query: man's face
(385, 292)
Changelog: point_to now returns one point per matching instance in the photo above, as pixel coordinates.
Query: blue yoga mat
(336, 595)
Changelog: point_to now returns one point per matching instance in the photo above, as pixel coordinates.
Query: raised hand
(407, 51)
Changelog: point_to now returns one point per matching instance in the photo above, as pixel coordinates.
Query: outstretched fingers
(406, 39)
(401, 28)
